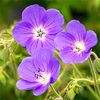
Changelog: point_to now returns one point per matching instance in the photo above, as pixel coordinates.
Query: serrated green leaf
(5, 55)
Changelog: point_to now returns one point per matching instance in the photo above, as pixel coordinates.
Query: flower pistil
(40, 33)
(79, 47)
(42, 77)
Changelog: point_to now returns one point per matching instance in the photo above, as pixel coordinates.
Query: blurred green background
(86, 11)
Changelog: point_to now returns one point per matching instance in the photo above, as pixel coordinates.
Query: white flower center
(44, 79)
(79, 46)
(39, 33)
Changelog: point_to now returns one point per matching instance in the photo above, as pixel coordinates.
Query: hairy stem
(55, 91)
(75, 81)
(94, 77)
(93, 53)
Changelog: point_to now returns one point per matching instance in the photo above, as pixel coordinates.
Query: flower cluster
(41, 32)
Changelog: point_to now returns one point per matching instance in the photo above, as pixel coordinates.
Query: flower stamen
(42, 77)
(40, 33)
(79, 47)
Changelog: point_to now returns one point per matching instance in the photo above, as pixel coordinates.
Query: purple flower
(38, 28)
(38, 72)
(74, 44)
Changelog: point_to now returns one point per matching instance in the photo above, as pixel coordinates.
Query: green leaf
(2, 79)
(5, 55)
(76, 89)
(97, 65)
(71, 94)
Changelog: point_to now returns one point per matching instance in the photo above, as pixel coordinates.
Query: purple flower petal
(67, 55)
(49, 42)
(91, 39)
(42, 58)
(33, 45)
(77, 29)
(64, 39)
(52, 21)
(54, 68)
(25, 85)
(40, 90)
(33, 14)
(81, 57)
(22, 32)
(26, 69)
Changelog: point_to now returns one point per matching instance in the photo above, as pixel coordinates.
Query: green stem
(74, 81)
(60, 76)
(96, 57)
(66, 88)
(55, 91)
(83, 80)
(76, 69)
(57, 52)
(94, 76)
(88, 87)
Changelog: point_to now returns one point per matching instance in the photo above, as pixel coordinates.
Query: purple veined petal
(49, 41)
(52, 21)
(22, 32)
(25, 85)
(67, 55)
(42, 57)
(33, 14)
(54, 68)
(91, 39)
(64, 39)
(77, 29)
(27, 69)
(81, 57)
(33, 45)
(41, 89)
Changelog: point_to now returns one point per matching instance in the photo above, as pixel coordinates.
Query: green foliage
(71, 94)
